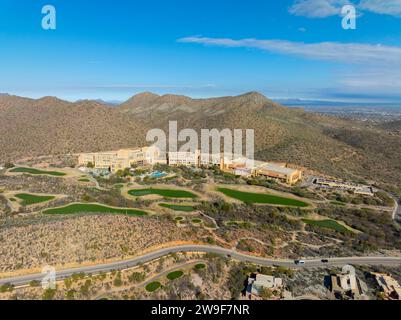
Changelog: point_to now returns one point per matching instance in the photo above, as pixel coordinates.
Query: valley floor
(194, 210)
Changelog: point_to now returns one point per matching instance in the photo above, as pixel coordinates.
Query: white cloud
(389, 7)
(330, 51)
(371, 80)
(372, 67)
(317, 8)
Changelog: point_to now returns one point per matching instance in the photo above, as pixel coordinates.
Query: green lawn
(169, 193)
(175, 275)
(176, 207)
(200, 266)
(28, 199)
(263, 198)
(93, 208)
(37, 171)
(338, 203)
(196, 220)
(84, 180)
(153, 286)
(179, 218)
(328, 224)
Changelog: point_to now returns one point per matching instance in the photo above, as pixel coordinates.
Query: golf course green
(153, 286)
(200, 266)
(262, 198)
(37, 172)
(28, 199)
(175, 275)
(93, 208)
(169, 193)
(177, 207)
(328, 224)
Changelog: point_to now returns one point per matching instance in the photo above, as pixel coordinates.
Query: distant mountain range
(335, 146)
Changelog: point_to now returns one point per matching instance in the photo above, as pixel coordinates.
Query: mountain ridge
(338, 147)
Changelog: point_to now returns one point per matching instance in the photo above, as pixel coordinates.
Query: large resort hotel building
(238, 165)
(121, 159)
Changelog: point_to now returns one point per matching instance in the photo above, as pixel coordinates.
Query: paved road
(62, 274)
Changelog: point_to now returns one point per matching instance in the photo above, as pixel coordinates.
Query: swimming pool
(158, 174)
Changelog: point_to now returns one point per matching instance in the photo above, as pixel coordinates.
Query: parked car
(325, 260)
(298, 262)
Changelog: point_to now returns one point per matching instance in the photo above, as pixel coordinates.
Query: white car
(298, 262)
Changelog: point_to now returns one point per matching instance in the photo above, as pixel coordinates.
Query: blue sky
(284, 49)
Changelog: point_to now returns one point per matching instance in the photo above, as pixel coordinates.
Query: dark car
(325, 260)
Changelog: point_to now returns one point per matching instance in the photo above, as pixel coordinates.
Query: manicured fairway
(28, 199)
(177, 207)
(93, 208)
(153, 286)
(329, 224)
(37, 172)
(261, 198)
(84, 180)
(338, 203)
(175, 275)
(169, 193)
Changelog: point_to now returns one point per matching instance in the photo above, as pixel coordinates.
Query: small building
(389, 286)
(249, 167)
(347, 285)
(255, 284)
(345, 186)
(280, 172)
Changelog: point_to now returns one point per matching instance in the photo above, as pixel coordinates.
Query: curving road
(120, 265)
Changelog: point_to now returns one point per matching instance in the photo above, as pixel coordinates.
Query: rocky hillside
(52, 126)
(335, 146)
